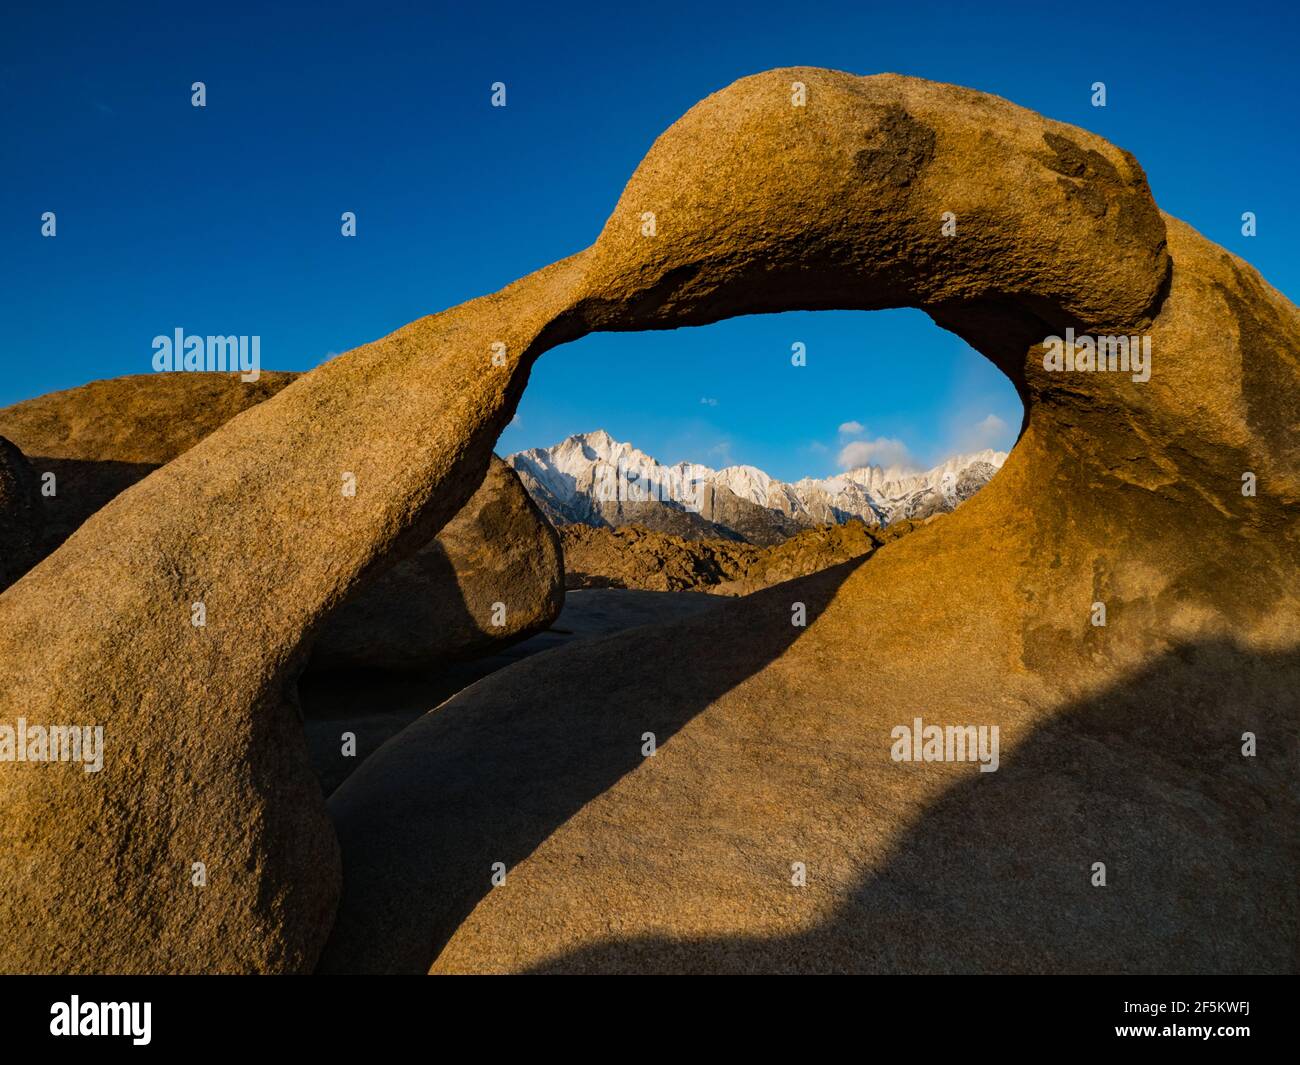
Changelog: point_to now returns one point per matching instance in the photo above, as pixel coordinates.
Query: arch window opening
(711, 446)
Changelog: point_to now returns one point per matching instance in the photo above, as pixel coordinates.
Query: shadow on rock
(1199, 844)
(422, 822)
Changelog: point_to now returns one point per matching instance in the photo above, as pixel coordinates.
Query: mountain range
(594, 479)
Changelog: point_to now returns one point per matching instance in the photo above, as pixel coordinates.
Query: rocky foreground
(721, 792)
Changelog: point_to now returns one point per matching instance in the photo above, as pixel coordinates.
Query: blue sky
(225, 219)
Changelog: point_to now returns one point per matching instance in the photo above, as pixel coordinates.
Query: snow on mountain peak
(586, 467)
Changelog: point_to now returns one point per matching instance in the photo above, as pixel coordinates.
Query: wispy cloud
(883, 451)
(852, 429)
(989, 431)
(708, 402)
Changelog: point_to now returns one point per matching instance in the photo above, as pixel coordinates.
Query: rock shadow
(489, 779)
(81, 488)
(1199, 844)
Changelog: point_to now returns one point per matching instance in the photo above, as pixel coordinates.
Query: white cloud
(852, 429)
(990, 431)
(817, 447)
(708, 402)
(883, 451)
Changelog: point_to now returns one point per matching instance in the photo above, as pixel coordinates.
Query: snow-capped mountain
(595, 479)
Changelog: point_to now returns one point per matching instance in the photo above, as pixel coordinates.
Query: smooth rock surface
(431, 608)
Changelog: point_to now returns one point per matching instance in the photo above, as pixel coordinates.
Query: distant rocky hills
(593, 479)
(636, 558)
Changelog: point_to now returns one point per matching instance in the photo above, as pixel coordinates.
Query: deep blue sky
(226, 219)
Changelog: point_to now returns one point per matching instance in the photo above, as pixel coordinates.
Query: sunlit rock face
(491, 576)
(773, 827)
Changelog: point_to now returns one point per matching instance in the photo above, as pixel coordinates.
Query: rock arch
(1116, 490)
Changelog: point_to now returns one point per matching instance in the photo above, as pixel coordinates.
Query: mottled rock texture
(430, 608)
(100, 438)
(630, 556)
(633, 557)
(1119, 743)
(812, 550)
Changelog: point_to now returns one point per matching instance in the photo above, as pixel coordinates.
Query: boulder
(434, 607)
(492, 576)
(100, 438)
(630, 556)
